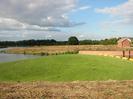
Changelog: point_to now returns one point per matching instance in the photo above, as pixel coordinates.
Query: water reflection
(13, 57)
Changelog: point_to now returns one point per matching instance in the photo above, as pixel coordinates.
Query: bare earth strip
(113, 53)
(68, 90)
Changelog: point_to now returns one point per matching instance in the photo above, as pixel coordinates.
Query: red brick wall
(125, 43)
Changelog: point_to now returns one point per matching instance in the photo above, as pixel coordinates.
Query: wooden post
(129, 54)
(123, 53)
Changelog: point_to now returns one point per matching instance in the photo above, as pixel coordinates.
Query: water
(14, 57)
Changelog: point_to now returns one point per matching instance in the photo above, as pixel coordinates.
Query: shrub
(73, 40)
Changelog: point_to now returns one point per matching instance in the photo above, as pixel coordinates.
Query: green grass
(67, 68)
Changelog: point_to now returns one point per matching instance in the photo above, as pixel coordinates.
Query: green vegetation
(111, 41)
(67, 68)
(73, 40)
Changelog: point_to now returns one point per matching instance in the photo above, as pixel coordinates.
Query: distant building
(124, 42)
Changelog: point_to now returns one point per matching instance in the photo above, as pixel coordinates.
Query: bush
(73, 41)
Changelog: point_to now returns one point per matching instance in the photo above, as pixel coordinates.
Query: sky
(60, 19)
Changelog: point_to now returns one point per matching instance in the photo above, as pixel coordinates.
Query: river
(14, 57)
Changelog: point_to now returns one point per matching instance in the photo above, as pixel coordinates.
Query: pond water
(14, 57)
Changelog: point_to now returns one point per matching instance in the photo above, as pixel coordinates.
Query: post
(129, 54)
(123, 53)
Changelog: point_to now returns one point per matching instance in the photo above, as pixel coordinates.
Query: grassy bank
(67, 68)
(62, 49)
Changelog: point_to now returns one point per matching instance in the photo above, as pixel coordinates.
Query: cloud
(84, 7)
(81, 36)
(121, 14)
(7, 23)
(14, 25)
(81, 8)
(43, 13)
(26, 35)
(27, 19)
(60, 21)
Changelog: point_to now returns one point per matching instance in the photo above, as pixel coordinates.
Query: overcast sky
(60, 19)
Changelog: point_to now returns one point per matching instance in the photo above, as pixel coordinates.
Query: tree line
(71, 41)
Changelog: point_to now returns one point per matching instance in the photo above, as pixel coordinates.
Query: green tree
(73, 40)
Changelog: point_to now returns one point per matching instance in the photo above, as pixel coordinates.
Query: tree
(73, 40)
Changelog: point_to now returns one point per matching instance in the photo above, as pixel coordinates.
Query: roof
(123, 39)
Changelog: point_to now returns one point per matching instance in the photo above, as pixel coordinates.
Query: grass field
(67, 68)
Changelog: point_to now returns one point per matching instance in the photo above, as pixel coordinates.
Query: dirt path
(72, 90)
(114, 53)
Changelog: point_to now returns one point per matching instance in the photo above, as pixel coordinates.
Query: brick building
(124, 42)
